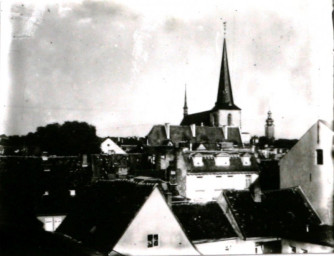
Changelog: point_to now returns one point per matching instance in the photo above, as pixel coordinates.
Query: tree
(70, 138)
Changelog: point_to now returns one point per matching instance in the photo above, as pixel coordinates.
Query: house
(268, 216)
(202, 175)
(210, 231)
(309, 164)
(108, 146)
(126, 218)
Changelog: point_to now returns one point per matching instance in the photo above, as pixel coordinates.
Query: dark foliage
(70, 138)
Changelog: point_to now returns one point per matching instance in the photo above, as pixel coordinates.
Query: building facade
(309, 164)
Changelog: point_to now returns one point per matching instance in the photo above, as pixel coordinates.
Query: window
(319, 154)
(218, 176)
(246, 161)
(222, 160)
(199, 177)
(304, 250)
(248, 180)
(230, 176)
(229, 119)
(198, 161)
(152, 240)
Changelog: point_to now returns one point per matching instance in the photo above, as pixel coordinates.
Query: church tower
(185, 107)
(270, 127)
(225, 112)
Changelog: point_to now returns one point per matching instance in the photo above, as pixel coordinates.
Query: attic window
(319, 157)
(152, 240)
(246, 161)
(222, 160)
(72, 192)
(198, 161)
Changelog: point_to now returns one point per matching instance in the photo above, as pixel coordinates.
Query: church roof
(197, 118)
(225, 95)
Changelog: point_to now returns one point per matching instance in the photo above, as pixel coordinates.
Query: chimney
(167, 129)
(256, 191)
(169, 198)
(193, 130)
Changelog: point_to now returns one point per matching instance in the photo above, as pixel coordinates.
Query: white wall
(298, 168)
(207, 187)
(155, 217)
(301, 247)
(109, 147)
(51, 223)
(233, 246)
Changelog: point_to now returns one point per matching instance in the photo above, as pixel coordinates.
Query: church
(225, 112)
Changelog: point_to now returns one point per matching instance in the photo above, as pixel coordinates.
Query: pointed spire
(185, 108)
(225, 96)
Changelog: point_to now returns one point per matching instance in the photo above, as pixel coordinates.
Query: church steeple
(225, 96)
(185, 107)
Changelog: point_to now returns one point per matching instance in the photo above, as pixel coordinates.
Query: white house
(108, 146)
(309, 164)
(133, 219)
(155, 231)
(201, 176)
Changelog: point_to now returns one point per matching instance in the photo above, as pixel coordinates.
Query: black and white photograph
(164, 127)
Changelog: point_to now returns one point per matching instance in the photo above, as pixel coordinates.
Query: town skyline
(123, 67)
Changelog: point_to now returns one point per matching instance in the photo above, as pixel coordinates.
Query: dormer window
(222, 160)
(197, 161)
(246, 161)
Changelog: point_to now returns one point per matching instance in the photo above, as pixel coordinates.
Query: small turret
(270, 127)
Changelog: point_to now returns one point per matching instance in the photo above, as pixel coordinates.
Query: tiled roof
(209, 164)
(209, 136)
(101, 215)
(319, 234)
(203, 221)
(197, 118)
(280, 211)
(233, 134)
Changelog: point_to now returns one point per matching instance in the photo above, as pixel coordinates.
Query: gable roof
(279, 212)
(102, 213)
(203, 221)
(208, 136)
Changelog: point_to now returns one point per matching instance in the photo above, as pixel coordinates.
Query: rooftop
(203, 221)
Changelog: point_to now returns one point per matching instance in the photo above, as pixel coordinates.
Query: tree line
(69, 138)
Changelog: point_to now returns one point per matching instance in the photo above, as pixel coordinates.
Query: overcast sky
(122, 65)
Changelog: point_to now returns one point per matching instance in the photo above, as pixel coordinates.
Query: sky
(122, 66)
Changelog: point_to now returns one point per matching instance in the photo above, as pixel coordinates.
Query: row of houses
(127, 218)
